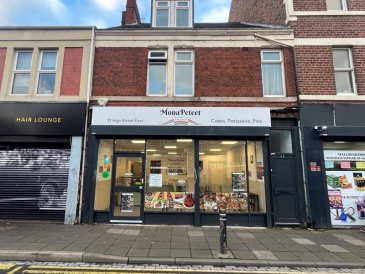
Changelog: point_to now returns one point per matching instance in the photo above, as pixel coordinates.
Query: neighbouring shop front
(40, 157)
(179, 165)
(335, 152)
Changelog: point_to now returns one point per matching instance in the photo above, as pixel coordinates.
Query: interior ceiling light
(138, 141)
(340, 142)
(216, 149)
(184, 140)
(156, 154)
(172, 153)
(201, 153)
(229, 142)
(170, 146)
(151, 150)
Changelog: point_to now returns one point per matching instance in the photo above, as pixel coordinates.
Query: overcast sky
(100, 13)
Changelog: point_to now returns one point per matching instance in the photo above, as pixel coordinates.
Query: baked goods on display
(231, 201)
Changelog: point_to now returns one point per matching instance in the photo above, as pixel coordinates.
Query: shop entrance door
(127, 195)
(284, 188)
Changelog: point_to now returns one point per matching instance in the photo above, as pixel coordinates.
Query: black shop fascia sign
(36, 119)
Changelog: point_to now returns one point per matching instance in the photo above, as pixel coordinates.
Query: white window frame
(344, 6)
(183, 8)
(154, 60)
(15, 71)
(162, 8)
(351, 69)
(40, 71)
(281, 62)
(192, 62)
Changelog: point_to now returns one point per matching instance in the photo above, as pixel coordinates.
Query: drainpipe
(88, 95)
(301, 139)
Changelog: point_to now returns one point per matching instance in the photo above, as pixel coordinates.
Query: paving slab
(131, 232)
(163, 253)
(195, 233)
(286, 256)
(303, 241)
(117, 251)
(264, 255)
(201, 253)
(243, 255)
(178, 245)
(138, 252)
(181, 253)
(334, 248)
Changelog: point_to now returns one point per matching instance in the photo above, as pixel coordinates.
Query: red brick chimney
(131, 15)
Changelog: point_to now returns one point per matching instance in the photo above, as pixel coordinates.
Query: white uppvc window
(157, 73)
(172, 13)
(184, 73)
(344, 71)
(47, 72)
(21, 73)
(336, 4)
(272, 73)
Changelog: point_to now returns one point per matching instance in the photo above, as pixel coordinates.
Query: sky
(99, 13)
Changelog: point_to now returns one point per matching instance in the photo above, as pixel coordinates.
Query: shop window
(22, 68)
(336, 4)
(184, 73)
(47, 72)
(104, 175)
(344, 71)
(272, 73)
(231, 176)
(157, 73)
(131, 145)
(281, 141)
(170, 175)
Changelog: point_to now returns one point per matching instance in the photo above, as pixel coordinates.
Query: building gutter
(300, 127)
(88, 96)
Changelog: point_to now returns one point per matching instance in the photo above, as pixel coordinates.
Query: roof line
(265, 25)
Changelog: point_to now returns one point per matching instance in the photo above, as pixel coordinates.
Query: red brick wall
(329, 27)
(320, 5)
(309, 5)
(315, 70)
(234, 72)
(358, 53)
(120, 72)
(258, 11)
(356, 5)
(71, 71)
(2, 64)
(221, 72)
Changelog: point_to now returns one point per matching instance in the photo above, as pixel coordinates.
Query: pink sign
(345, 164)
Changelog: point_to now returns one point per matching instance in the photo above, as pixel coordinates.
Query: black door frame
(115, 188)
(298, 173)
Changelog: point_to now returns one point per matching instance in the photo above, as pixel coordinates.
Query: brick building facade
(329, 50)
(174, 66)
(45, 74)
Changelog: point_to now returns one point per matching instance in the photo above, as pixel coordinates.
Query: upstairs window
(336, 5)
(21, 76)
(344, 71)
(157, 73)
(272, 73)
(47, 72)
(184, 73)
(172, 13)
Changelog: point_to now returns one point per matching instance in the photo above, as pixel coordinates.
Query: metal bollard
(223, 230)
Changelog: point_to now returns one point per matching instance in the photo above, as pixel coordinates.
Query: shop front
(40, 157)
(178, 165)
(335, 159)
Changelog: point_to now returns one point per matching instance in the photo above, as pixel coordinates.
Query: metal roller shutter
(33, 183)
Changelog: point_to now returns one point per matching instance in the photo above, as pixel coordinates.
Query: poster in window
(238, 181)
(155, 180)
(127, 201)
(259, 171)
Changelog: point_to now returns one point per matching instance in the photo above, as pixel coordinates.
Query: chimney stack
(131, 15)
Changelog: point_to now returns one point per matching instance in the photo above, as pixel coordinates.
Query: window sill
(335, 97)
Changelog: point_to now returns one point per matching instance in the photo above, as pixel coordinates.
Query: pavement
(177, 245)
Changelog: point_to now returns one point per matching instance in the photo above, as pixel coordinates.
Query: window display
(170, 175)
(345, 172)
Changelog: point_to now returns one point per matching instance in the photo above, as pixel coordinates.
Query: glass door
(127, 199)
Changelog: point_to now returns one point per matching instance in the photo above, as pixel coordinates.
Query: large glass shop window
(345, 174)
(170, 175)
(103, 175)
(229, 178)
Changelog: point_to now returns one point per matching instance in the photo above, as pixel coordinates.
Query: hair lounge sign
(181, 116)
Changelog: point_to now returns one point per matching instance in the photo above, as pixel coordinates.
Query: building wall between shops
(320, 5)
